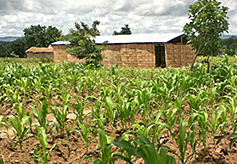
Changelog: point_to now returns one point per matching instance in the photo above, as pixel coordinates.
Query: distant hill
(9, 38)
(227, 36)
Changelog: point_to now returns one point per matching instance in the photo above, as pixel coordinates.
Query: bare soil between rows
(11, 154)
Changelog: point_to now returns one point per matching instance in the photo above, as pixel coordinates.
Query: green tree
(230, 45)
(3, 51)
(40, 36)
(18, 47)
(124, 31)
(208, 21)
(82, 43)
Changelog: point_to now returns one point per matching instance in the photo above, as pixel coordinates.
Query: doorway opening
(160, 55)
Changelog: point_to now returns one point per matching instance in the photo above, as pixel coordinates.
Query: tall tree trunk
(194, 60)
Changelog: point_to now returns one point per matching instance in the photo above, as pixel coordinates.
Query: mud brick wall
(146, 55)
(61, 55)
(129, 55)
(73, 59)
(135, 55)
(39, 55)
(112, 55)
(178, 55)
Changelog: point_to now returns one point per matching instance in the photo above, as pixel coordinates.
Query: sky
(142, 16)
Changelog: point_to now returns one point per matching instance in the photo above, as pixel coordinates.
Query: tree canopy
(230, 46)
(40, 36)
(18, 47)
(37, 36)
(124, 31)
(3, 51)
(208, 21)
(82, 43)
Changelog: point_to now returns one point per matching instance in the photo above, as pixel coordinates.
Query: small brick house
(40, 52)
(56, 50)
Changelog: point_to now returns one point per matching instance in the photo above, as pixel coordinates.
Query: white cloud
(143, 16)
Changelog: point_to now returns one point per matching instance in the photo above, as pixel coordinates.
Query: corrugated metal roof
(40, 50)
(58, 43)
(136, 38)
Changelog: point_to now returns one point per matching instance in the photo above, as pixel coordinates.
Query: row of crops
(118, 114)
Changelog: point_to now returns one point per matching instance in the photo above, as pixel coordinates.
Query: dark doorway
(160, 55)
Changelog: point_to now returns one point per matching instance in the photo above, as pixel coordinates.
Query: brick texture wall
(178, 55)
(129, 55)
(39, 55)
(61, 55)
(135, 55)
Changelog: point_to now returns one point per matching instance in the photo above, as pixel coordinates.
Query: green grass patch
(214, 60)
(26, 61)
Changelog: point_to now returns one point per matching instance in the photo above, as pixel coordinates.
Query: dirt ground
(11, 154)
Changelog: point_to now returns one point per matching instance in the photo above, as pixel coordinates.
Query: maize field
(72, 113)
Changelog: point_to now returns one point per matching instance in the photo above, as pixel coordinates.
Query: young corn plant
(65, 98)
(61, 117)
(158, 127)
(183, 139)
(106, 154)
(12, 96)
(223, 119)
(20, 110)
(41, 114)
(21, 126)
(106, 92)
(167, 88)
(74, 78)
(48, 92)
(201, 118)
(144, 100)
(115, 80)
(98, 116)
(178, 105)
(23, 86)
(118, 91)
(90, 84)
(214, 124)
(127, 112)
(169, 116)
(110, 112)
(38, 86)
(79, 107)
(142, 147)
(142, 128)
(42, 153)
(81, 87)
(84, 131)
(232, 109)
(198, 99)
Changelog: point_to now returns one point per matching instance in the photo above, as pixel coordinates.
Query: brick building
(146, 50)
(141, 50)
(40, 52)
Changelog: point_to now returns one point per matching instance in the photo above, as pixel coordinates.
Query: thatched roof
(39, 50)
